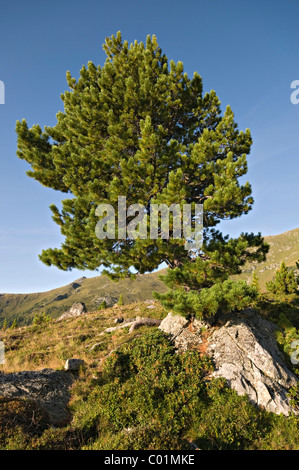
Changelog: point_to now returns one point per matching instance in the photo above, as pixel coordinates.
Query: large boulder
(76, 310)
(184, 334)
(245, 352)
(50, 388)
(173, 325)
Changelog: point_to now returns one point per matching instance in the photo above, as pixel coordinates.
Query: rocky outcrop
(48, 387)
(77, 283)
(173, 325)
(245, 353)
(60, 297)
(109, 300)
(76, 310)
(184, 334)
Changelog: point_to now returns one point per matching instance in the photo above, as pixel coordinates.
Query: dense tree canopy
(284, 281)
(139, 127)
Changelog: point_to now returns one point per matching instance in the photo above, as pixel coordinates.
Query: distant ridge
(91, 291)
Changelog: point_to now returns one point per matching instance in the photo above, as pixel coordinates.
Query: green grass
(135, 391)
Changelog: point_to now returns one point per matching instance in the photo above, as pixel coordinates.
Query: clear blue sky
(246, 50)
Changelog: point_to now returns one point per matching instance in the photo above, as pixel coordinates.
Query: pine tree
(255, 281)
(102, 305)
(14, 324)
(120, 300)
(139, 127)
(284, 281)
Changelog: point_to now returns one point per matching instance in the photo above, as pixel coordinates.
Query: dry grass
(50, 344)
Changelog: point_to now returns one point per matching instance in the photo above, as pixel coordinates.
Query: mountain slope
(24, 307)
(283, 247)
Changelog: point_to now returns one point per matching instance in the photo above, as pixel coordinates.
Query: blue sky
(246, 50)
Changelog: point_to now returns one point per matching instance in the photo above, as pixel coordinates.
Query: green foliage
(41, 319)
(287, 337)
(149, 388)
(284, 282)
(201, 287)
(138, 127)
(293, 394)
(20, 422)
(102, 305)
(148, 397)
(207, 302)
(145, 396)
(282, 434)
(228, 421)
(4, 324)
(255, 282)
(120, 300)
(14, 324)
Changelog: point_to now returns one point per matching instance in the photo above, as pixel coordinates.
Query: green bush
(221, 297)
(150, 398)
(102, 305)
(41, 319)
(20, 421)
(145, 386)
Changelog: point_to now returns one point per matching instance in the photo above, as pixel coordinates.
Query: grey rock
(185, 334)
(119, 320)
(76, 310)
(187, 340)
(73, 365)
(110, 300)
(173, 325)
(77, 283)
(246, 354)
(48, 387)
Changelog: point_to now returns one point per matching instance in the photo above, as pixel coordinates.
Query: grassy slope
(229, 422)
(24, 307)
(50, 344)
(283, 247)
